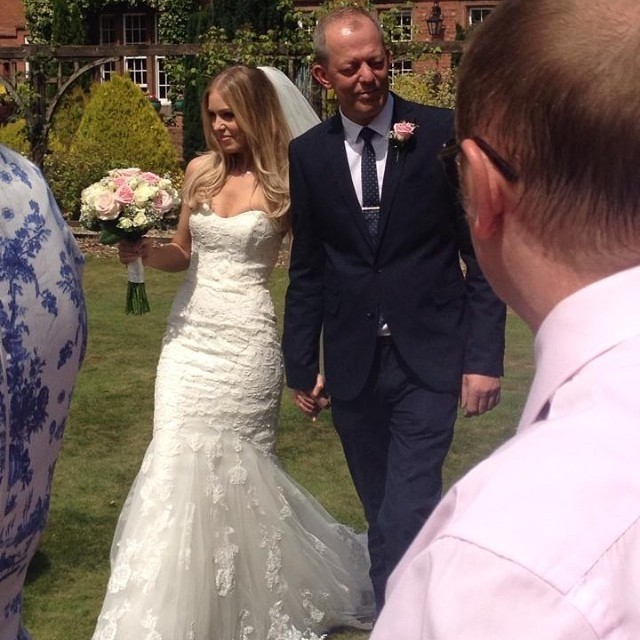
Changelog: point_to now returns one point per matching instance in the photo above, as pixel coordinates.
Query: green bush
(119, 128)
(67, 119)
(436, 87)
(14, 136)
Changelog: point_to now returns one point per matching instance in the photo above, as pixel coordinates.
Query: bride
(216, 541)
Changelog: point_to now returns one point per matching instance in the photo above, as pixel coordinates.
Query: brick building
(429, 21)
(433, 21)
(12, 31)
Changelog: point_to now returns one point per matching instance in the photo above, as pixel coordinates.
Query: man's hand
(311, 403)
(479, 394)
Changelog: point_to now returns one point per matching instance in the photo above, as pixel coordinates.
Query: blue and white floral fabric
(44, 329)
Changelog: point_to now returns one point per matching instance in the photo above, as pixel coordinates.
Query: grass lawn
(110, 426)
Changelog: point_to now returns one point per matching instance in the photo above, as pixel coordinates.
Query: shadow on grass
(39, 566)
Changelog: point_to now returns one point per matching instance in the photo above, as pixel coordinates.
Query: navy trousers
(395, 437)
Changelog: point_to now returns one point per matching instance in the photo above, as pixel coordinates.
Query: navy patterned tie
(370, 192)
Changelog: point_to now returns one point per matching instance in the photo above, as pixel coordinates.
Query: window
(107, 70)
(162, 81)
(478, 14)
(403, 27)
(108, 29)
(137, 70)
(135, 28)
(400, 68)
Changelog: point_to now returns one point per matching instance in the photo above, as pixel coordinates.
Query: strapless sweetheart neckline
(209, 211)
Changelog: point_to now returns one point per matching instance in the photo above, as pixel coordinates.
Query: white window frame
(484, 11)
(107, 70)
(162, 81)
(400, 68)
(144, 28)
(403, 31)
(103, 31)
(136, 67)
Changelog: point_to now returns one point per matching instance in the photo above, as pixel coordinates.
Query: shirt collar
(381, 124)
(577, 331)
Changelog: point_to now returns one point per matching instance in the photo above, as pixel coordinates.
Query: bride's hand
(130, 251)
(311, 403)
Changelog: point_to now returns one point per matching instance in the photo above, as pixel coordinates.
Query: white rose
(106, 206)
(140, 219)
(144, 193)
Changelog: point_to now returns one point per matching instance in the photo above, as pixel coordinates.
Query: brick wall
(12, 27)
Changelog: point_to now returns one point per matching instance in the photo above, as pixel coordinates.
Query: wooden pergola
(72, 61)
(69, 63)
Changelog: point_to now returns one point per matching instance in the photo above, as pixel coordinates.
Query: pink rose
(106, 206)
(151, 178)
(119, 181)
(402, 131)
(124, 194)
(163, 202)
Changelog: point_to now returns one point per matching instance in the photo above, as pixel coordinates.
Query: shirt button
(370, 315)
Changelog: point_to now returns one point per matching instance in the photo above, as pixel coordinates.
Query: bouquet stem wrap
(137, 302)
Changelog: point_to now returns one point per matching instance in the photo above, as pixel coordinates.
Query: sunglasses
(450, 151)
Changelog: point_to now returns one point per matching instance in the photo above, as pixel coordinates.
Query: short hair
(558, 95)
(352, 16)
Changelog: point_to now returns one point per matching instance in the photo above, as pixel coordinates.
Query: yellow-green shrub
(14, 135)
(435, 87)
(119, 128)
(67, 119)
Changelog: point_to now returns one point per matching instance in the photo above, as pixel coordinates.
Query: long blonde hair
(256, 109)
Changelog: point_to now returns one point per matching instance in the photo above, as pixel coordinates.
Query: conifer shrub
(118, 128)
(14, 135)
(67, 119)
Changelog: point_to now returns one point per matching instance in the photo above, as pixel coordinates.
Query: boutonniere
(400, 134)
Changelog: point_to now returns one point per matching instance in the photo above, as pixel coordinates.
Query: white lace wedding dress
(216, 541)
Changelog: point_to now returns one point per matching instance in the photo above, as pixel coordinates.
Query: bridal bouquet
(125, 205)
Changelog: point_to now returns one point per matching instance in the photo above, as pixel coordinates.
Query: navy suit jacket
(442, 322)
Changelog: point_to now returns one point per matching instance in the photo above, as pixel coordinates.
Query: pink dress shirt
(541, 541)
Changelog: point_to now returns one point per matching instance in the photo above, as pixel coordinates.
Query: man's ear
(484, 191)
(320, 74)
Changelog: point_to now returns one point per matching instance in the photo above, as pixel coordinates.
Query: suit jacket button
(370, 315)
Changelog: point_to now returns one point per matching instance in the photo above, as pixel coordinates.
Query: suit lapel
(338, 160)
(396, 158)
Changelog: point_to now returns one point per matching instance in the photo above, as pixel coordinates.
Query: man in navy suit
(406, 334)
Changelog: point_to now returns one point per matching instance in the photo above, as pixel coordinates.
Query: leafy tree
(196, 79)
(258, 15)
(67, 24)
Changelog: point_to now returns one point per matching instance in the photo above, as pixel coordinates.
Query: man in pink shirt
(541, 541)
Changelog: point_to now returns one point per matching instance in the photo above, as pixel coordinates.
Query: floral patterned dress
(44, 329)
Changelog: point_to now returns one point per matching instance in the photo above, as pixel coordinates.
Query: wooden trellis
(69, 63)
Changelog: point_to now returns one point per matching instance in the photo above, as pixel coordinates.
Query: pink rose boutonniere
(400, 134)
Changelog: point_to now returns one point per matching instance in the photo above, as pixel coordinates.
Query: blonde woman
(215, 541)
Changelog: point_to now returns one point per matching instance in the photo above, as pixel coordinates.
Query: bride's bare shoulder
(198, 163)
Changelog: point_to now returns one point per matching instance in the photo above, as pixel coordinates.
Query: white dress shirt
(354, 145)
(541, 541)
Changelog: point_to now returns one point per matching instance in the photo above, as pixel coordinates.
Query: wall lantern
(434, 21)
